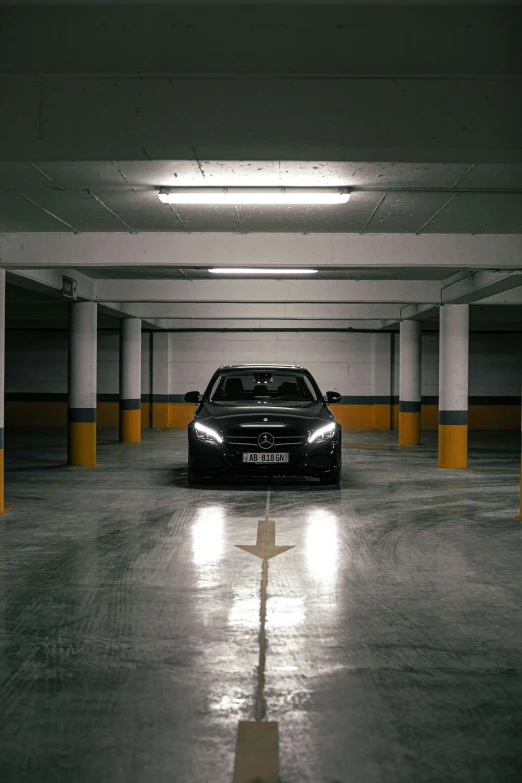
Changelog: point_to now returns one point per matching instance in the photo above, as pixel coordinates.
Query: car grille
(279, 440)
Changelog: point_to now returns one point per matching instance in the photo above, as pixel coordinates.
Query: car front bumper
(312, 459)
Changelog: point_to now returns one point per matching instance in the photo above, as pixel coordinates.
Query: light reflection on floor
(322, 545)
(284, 612)
(208, 537)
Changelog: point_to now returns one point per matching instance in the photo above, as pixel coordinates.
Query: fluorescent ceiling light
(252, 270)
(235, 196)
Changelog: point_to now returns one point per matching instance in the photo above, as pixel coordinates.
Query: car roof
(261, 366)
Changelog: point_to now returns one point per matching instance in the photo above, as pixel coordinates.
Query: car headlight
(207, 433)
(322, 433)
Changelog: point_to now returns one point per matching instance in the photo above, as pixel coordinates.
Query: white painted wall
(36, 362)
(340, 362)
(494, 365)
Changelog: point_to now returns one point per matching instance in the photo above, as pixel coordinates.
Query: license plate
(262, 457)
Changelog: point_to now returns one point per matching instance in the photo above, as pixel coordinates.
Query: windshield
(277, 385)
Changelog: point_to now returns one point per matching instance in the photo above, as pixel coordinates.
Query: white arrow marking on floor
(265, 546)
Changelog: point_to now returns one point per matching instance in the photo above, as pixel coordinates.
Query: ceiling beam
(268, 324)
(198, 312)
(390, 291)
(479, 285)
(419, 312)
(49, 282)
(466, 288)
(165, 249)
(511, 297)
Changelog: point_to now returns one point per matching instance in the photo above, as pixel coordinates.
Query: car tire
(195, 476)
(331, 479)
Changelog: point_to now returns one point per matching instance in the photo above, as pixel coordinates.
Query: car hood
(232, 418)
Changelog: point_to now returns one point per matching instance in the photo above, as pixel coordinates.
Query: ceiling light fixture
(273, 196)
(257, 271)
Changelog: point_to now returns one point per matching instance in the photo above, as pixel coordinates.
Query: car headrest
(260, 390)
(234, 388)
(288, 388)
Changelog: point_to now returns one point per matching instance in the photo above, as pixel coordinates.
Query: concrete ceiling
(387, 197)
(253, 37)
(415, 107)
(253, 81)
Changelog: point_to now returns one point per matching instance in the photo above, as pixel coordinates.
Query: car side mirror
(333, 396)
(192, 396)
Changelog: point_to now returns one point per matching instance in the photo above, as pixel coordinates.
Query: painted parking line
(257, 746)
(257, 752)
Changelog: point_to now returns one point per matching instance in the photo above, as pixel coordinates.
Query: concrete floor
(129, 622)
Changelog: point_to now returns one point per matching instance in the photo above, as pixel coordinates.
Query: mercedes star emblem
(266, 440)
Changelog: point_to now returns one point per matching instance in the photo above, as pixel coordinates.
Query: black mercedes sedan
(256, 419)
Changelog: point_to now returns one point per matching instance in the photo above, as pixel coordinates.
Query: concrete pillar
(2, 385)
(81, 415)
(453, 386)
(409, 383)
(130, 380)
(521, 468)
(160, 380)
(382, 380)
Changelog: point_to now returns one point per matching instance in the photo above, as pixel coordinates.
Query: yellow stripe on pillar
(409, 422)
(409, 428)
(453, 446)
(81, 445)
(2, 499)
(130, 425)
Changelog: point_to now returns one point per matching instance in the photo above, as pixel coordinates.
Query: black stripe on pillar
(163, 398)
(81, 415)
(453, 417)
(409, 407)
(130, 405)
(1, 437)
